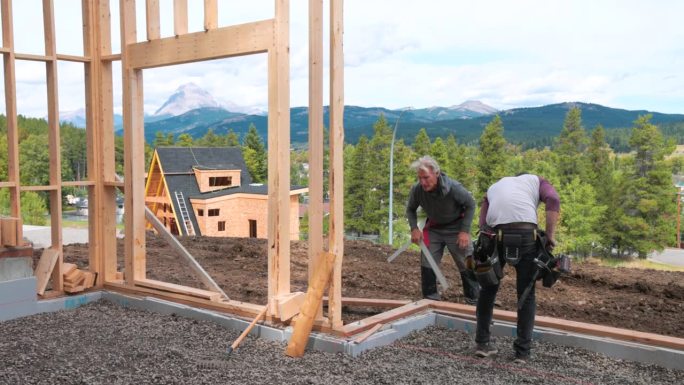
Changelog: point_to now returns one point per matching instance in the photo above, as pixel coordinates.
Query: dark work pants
(436, 239)
(485, 305)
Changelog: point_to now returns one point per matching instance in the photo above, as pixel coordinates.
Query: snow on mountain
(187, 97)
(75, 117)
(475, 106)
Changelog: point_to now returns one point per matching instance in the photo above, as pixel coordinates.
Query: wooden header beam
(238, 40)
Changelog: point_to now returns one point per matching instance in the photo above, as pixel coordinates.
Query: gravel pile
(102, 343)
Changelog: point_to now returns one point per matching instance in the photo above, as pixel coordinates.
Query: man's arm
(466, 200)
(551, 199)
(411, 207)
(484, 207)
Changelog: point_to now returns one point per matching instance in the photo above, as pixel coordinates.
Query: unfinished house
(288, 315)
(208, 191)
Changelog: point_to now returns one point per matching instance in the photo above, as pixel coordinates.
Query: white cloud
(398, 53)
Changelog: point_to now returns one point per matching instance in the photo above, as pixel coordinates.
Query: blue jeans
(525, 269)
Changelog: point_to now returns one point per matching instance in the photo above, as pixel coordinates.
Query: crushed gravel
(103, 343)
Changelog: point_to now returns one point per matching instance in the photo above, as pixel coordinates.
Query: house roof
(178, 164)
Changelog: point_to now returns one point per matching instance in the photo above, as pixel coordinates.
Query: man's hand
(416, 235)
(463, 240)
(550, 242)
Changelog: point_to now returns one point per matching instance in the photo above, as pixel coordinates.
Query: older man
(450, 209)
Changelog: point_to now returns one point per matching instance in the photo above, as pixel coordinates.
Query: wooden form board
(44, 269)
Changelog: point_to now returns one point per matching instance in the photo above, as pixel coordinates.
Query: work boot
(428, 282)
(485, 350)
(471, 289)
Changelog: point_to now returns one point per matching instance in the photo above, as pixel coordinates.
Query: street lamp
(391, 181)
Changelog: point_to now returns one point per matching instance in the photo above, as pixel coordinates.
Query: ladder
(185, 216)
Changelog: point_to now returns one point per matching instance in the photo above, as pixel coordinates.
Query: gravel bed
(103, 343)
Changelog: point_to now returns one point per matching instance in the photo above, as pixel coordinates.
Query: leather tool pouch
(510, 245)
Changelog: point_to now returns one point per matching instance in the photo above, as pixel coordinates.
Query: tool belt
(487, 267)
(549, 267)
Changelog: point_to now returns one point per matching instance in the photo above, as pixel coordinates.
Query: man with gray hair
(450, 209)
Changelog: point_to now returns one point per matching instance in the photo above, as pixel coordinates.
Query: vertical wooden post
(11, 111)
(152, 18)
(134, 151)
(210, 14)
(54, 144)
(315, 210)
(336, 162)
(180, 17)
(279, 155)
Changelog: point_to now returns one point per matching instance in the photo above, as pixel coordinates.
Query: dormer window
(225, 181)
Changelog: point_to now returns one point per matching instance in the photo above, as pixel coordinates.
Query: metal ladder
(185, 216)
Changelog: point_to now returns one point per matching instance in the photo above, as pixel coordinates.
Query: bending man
(450, 209)
(510, 207)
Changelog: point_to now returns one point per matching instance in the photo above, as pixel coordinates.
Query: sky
(407, 53)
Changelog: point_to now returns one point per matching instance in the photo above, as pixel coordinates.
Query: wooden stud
(54, 143)
(44, 268)
(288, 305)
(10, 229)
(210, 14)
(180, 17)
(279, 156)
(100, 121)
(336, 237)
(134, 151)
(11, 110)
(315, 209)
(152, 18)
(244, 39)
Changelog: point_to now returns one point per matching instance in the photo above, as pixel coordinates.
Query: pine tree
(491, 158)
(598, 160)
(572, 143)
(438, 151)
(357, 187)
(421, 144)
(254, 152)
(232, 139)
(580, 219)
(184, 140)
(377, 199)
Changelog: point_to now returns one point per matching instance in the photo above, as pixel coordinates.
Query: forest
(616, 187)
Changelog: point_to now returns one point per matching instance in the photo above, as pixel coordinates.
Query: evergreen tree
(439, 152)
(254, 152)
(357, 187)
(421, 144)
(572, 143)
(160, 140)
(232, 139)
(378, 153)
(210, 139)
(491, 158)
(184, 140)
(598, 159)
(580, 218)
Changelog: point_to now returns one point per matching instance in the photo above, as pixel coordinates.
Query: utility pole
(391, 180)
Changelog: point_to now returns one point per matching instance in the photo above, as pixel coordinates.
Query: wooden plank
(75, 289)
(210, 14)
(32, 57)
(89, 280)
(72, 58)
(336, 237)
(386, 317)
(9, 231)
(243, 309)
(288, 305)
(44, 268)
(372, 302)
(134, 155)
(8, 184)
(68, 268)
(179, 289)
(364, 336)
(237, 40)
(309, 309)
(51, 187)
(315, 210)
(74, 276)
(11, 109)
(180, 17)
(78, 183)
(99, 100)
(110, 57)
(152, 19)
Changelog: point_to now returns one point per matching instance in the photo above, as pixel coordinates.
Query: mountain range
(194, 111)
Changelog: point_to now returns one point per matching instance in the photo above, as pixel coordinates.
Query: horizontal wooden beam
(31, 57)
(237, 40)
(179, 289)
(386, 317)
(78, 183)
(114, 184)
(72, 58)
(39, 188)
(111, 57)
(8, 184)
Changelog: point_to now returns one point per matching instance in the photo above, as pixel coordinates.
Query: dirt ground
(644, 300)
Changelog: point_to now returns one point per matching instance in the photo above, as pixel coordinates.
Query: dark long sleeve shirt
(448, 204)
